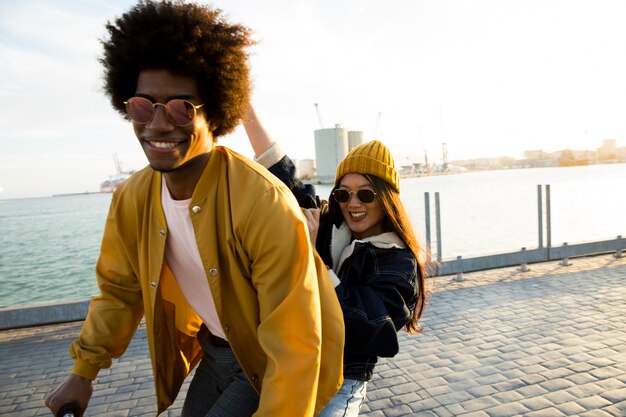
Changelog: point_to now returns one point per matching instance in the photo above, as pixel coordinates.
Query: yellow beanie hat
(371, 158)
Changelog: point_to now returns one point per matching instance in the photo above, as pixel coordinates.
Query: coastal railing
(544, 251)
(59, 312)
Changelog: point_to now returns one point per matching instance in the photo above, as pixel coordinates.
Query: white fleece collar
(341, 248)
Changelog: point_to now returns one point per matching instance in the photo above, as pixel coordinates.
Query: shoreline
(83, 193)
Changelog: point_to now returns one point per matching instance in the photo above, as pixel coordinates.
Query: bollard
(459, 274)
(524, 266)
(618, 252)
(565, 261)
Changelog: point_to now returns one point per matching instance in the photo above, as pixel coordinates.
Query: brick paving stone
(455, 409)
(454, 397)
(571, 408)
(586, 390)
(595, 413)
(546, 412)
(617, 410)
(508, 397)
(424, 405)
(434, 382)
(531, 378)
(550, 341)
(560, 397)
(530, 391)
(438, 391)
(377, 394)
(477, 404)
(491, 379)
(482, 391)
(581, 378)
(442, 412)
(615, 396)
(599, 362)
(609, 384)
(556, 373)
(507, 410)
(556, 384)
(606, 372)
(536, 403)
(474, 414)
(535, 369)
(509, 385)
(594, 402)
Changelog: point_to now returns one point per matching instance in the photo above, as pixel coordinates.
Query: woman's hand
(313, 222)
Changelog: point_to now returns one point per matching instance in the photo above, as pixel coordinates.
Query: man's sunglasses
(179, 112)
(365, 195)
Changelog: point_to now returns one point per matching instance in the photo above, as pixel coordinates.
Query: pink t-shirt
(183, 258)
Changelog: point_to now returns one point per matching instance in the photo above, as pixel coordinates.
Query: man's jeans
(347, 402)
(219, 387)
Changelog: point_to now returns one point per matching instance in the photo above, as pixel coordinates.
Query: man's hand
(313, 222)
(75, 389)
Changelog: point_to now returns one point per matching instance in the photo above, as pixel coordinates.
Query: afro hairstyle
(186, 39)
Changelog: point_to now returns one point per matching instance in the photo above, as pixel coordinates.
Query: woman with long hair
(365, 238)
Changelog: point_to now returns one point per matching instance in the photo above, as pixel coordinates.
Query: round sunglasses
(343, 196)
(179, 112)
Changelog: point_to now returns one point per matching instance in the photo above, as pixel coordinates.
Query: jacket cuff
(271, 156)
(334, 278)
(85, 369)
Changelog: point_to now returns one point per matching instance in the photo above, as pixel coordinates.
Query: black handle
(69, 410)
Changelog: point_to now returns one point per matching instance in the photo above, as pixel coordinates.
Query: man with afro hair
(205, 245)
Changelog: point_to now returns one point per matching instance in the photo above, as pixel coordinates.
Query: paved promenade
(548, 342)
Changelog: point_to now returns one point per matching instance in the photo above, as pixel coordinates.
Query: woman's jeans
(219, 387)
(347, 402)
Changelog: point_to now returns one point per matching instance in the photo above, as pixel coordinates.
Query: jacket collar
(342, 245)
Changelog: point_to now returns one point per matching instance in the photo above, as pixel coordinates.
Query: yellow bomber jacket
(272, 292)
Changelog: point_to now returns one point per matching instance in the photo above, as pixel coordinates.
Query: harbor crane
(118, 164)
(319, 116)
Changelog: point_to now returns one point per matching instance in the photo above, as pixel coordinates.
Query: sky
(486, 77)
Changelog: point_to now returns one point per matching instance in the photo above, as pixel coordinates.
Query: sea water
(49, 245)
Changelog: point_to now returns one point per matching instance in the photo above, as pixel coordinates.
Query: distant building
(534, 154)
(608, 150)
(305, 168)
(355, 138)
(331, 146)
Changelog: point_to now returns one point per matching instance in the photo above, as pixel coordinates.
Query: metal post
(540, 215)
(618, 252)
(427, 215)
(459, 268)
(438, 226)
(524, 266)
(565, 261)
(548, 221)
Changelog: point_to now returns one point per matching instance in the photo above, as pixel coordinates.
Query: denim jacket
(377, 289)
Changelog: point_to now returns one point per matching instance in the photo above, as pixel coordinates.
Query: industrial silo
(331, 146)
(355, 138)
(305, 168)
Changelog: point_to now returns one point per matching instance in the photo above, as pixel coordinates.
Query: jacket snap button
(162, 232)
(213, 272)
(153, 284)
(196, 209)
(255, 378)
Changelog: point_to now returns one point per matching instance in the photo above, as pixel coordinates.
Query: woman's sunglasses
(365, 195)
(179, 112)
